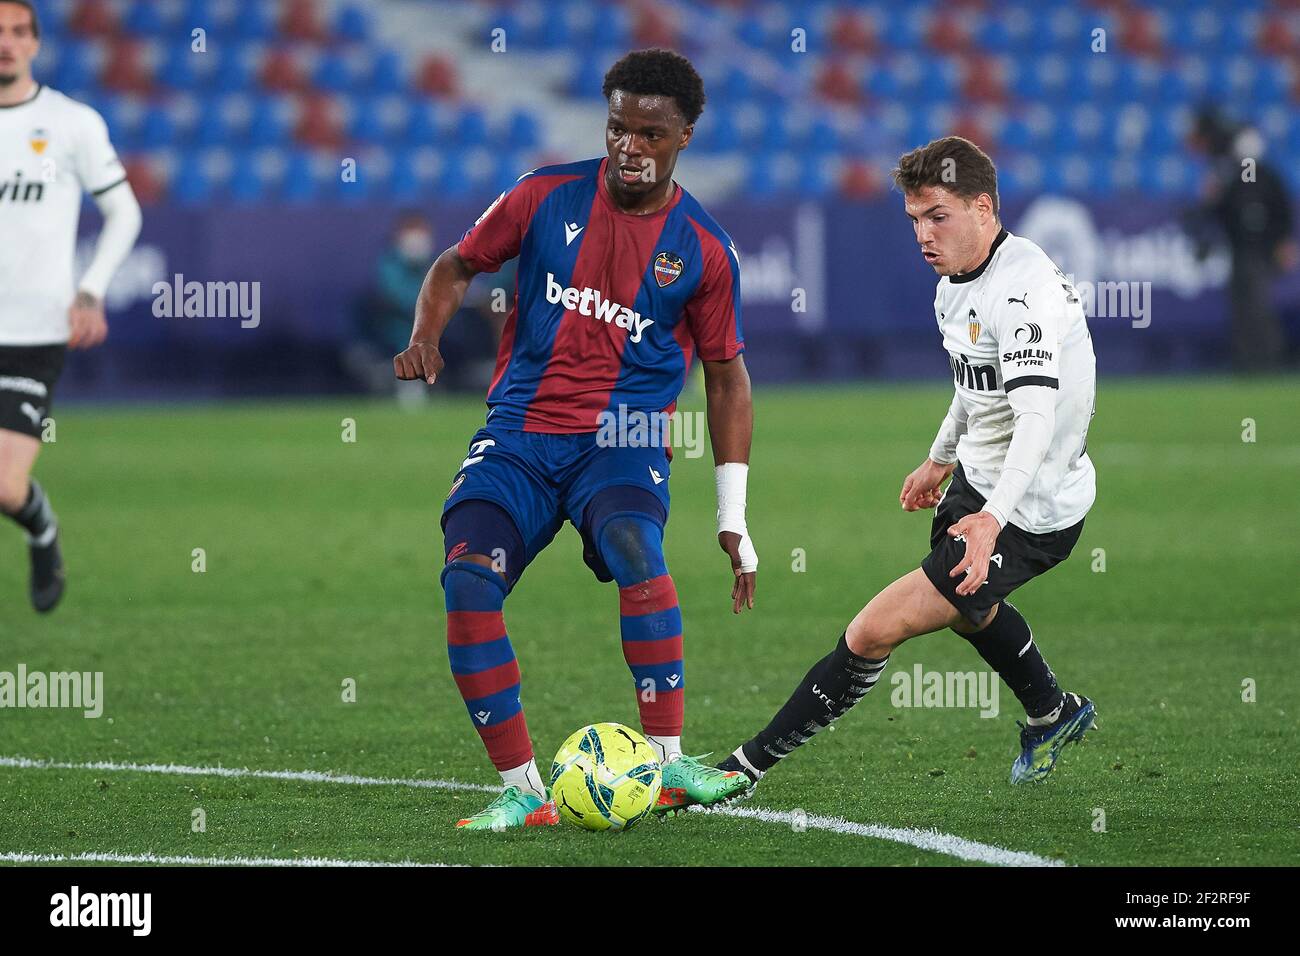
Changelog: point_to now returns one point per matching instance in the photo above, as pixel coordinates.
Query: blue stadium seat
(386, 73)
(352, 25)
(177, 70)
(612, 28)
(522, 130)
(453, 180)
(191, 185)
(144, 19)
(75, 71)
(234, 70)
(254, 21)
(471, 127)
(404, 183)
(270, 124)
(300, 184)
(158, 128)
(248, 183)
(332, 74)
(424, 127)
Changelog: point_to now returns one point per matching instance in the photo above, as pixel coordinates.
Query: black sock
(1007, 645)
(835, 683)
(36, 516)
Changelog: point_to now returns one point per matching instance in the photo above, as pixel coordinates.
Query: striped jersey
(610, 307)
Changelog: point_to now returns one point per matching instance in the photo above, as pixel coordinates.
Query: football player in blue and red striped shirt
(623, 279)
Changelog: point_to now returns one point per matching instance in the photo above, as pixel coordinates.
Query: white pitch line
(931, 840)
(309, 776)
(197, 860)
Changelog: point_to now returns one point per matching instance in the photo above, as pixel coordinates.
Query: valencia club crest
(668, 268)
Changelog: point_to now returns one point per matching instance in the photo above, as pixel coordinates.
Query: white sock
(527, 778)
(666, 748)
(739, 754)
(1053, 717)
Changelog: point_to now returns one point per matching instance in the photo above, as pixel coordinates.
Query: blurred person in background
(52, 150)
(1247, 204)
(383, 322)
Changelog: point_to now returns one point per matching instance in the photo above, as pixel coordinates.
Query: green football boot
(1040, 746)
(688, 782)
(513, 808)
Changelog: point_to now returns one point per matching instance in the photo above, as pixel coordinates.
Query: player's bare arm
(922, 488)
(731, 428)
(87, 326)
(441, 295)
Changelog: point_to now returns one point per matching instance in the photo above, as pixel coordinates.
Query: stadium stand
(274, 89)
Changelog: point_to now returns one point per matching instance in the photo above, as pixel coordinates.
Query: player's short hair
(952, 162)
(658, 72)
(36, 23)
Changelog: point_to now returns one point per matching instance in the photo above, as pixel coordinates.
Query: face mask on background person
(415, 245)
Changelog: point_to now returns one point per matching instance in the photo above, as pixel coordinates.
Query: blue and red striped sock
(483, 662)
(651, 625)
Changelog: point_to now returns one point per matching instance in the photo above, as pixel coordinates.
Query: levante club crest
(668, 268)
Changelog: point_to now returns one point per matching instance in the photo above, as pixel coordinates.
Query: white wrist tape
(732, 478)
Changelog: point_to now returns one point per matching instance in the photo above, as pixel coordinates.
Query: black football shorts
(28, 374)
(1018, 556)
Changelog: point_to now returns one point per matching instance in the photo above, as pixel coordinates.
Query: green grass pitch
(321, 565)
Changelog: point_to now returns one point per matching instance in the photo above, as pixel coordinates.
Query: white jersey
(1013, 322)
(52, 150)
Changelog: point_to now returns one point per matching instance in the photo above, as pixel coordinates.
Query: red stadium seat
(859, 180)
(302, 21)
(436, 76)
(1275, 37)
(984, 80)
(851, 33)
(320, 124)
(146, 182)
(838, 84)
(92, 18)
(282, 73)
(655, 26)
(1140, 33)
(948, 34)
(125, 70)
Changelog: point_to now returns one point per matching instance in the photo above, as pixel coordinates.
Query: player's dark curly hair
(660, 73)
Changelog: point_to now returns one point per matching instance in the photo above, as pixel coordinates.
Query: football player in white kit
(52, 150)
(1014, 443)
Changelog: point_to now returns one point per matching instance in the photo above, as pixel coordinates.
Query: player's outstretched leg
(631, 546)
(24, 501)
(908, 607)
(487, 674)
(1054, 718)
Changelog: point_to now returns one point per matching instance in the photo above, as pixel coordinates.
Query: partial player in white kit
(52, 150)
(1014, 441)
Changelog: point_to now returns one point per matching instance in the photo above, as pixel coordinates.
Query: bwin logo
(1030, 333)
(20, 190)
(978, 378)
